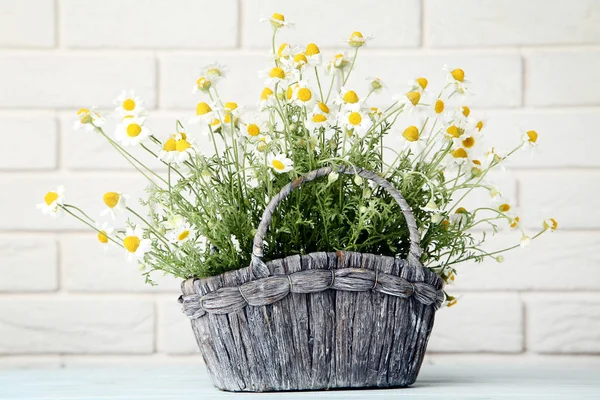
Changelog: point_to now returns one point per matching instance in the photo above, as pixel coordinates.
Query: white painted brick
(75, 325)
(571, 197)
(180, 71)
(27, 23)
(511, 22)
(479, 323)
(151, 24)
(561, 323)
(566, 138)
(89, 266)
(37, 151)
(175, 334)
(393, 24)
(28, 263)
(73, 81)
(563, 78)
(84, 191)
(495, 79)
(554, 261)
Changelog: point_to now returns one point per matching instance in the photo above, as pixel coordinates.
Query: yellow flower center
(278, 165)
(102, 237)
(227, 118)
(356, 39)
(461, 210)
(111, 199)
(439, 106)
(304, 94)
(128, 104)
(266, 93)
(455, 131)
(504, 207)
(356, 35)
(169, 145)
(282, 49)
(131, 243)
(312, 49)
(423, 82)
(84, 116)
(477, 162)
(182, 145)
(411, 133)
(133, 130)
(277, 73)
(213, 71)
(551, 223)
(414, 97)
(350, 97)
(183, 235)
(230, 106)
(300, 58)
(50, 198)
(515, 222)
(319, 118)
(466, 111)
(202, 108)
(459, 153)
(468, 142)
(215, 122)
(323, 107)
(278, 17)
(533, 136)
(458, 74)
(354, 118)
(253, 130)
(479, 126)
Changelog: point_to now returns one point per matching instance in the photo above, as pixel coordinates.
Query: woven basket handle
(259, 269)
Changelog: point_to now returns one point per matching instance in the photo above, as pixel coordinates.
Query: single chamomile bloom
(410, 100)
(262, 143)
(182, 233)
(339, 62)
(354, 120)
(319, 117)
(418, 84)
(530, 139)
(459, 217)
(283, 52)
(203, 84)
(313, 54)
(551, 224)
(302, 95)
(214, 72)
(135, 244)
(376, 85)
(456, 76)
(414, 139)
(267, 98)
(347, 97)
(105, 232)
(88, 119)
(129, 104)
(254, 128)
(278, 75)
(525, 241)
(115, 202)
(278, 21)
(204, 113)
(357, 39)
(131, 131)
(53, 200)
(280, 163)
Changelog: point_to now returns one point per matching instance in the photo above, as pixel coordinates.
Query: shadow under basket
(316, 321)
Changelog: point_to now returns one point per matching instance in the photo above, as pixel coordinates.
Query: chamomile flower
(283, 52)
(303, 95)
(116, 202)
(184, 149)
(376, 85)
(339, 62)
(204, 113)
(354, 120)
(214, 72)
(418, 84)
(278, 21)
(525, 241)
(278, 75)
(129, 104)
(181, 233)
(530, 139)
(456, 76)
(299, 61)
(280, 163)
(203, 84)
(459, 217)
(266, 98)
(135, 244)
(410, 100)
(254, 127)
(53, 200)
(88, 119)
(131, 131)
(262, 143)
(105, 232)
(313, 54)
(551, 224)
(357, 39)
(347, 97)
(320, 117)
(414, 139)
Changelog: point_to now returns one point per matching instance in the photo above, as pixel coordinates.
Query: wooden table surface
(175, 382)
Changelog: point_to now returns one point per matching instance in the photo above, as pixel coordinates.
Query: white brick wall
(534, 65)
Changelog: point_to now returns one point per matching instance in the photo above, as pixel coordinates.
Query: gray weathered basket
(316, 321)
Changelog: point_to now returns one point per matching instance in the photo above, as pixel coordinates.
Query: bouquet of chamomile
(223, 165)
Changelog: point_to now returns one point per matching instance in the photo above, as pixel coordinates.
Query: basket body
(353, 334)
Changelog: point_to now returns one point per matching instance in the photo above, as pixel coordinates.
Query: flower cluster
(230, 161)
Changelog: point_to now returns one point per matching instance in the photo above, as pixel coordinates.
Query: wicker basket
(316, 321)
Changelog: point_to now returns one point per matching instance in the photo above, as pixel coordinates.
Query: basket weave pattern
(316, 321)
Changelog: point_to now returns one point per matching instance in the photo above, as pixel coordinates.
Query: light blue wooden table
(548, 382)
